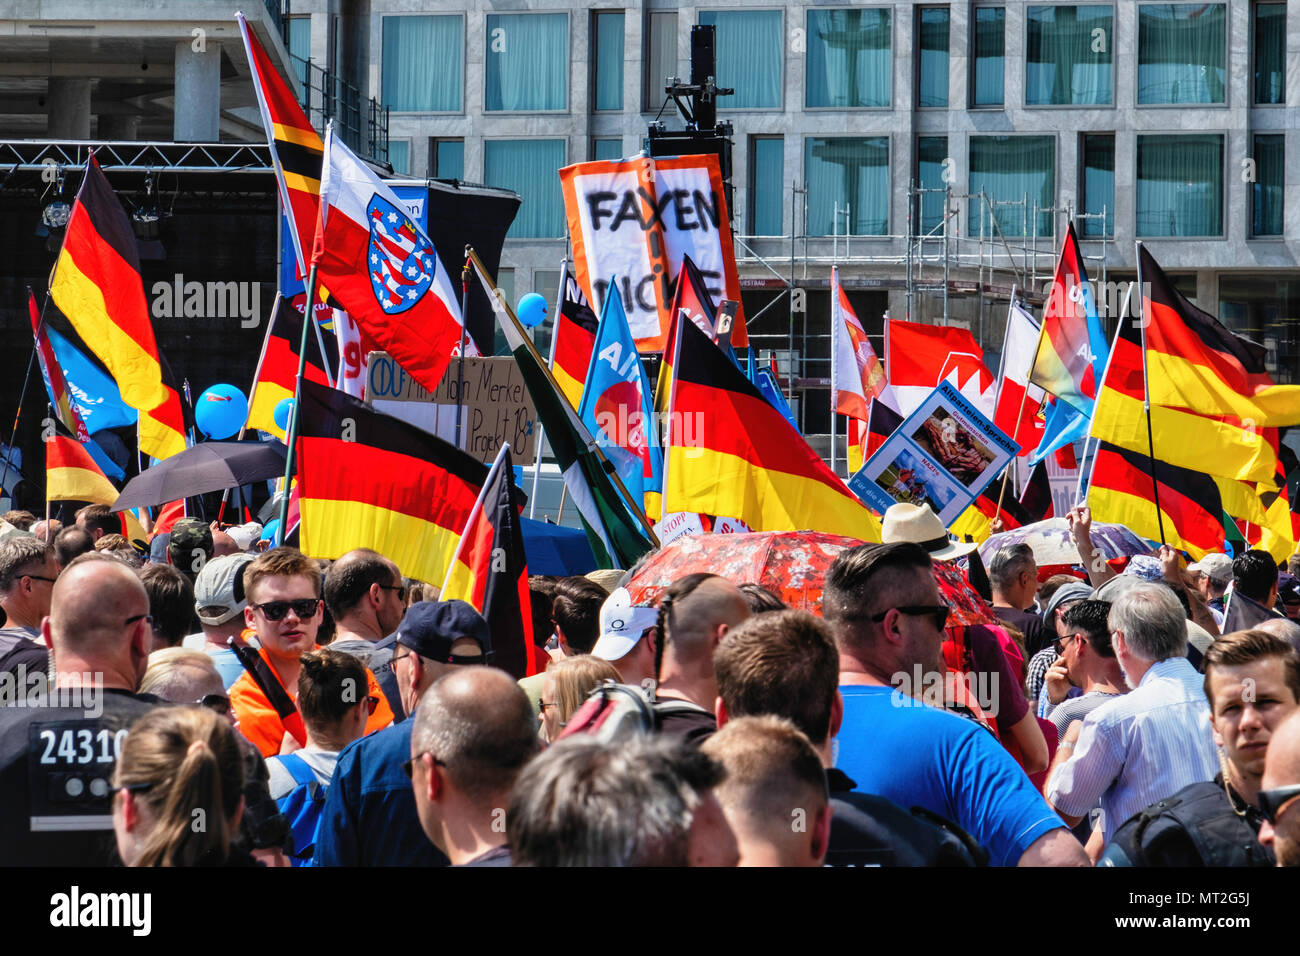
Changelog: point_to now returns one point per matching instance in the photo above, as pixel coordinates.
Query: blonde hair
(184, 763)
(113, 542)
(164, 665)
(575, 677)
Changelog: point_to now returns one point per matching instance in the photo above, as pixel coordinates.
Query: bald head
(476, 721)
(696, 618)
(223, 544)
(93, 599)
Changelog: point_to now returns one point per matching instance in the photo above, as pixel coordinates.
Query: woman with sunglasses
(176, 763)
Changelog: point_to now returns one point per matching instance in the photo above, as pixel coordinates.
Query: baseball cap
(219, 589)
(430, 628)
(621, 625)
(245, 535)
(189, 535)
(1215, 566)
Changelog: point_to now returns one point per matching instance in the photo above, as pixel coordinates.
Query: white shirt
(1139, 748)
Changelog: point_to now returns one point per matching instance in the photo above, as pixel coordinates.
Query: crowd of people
(333, 713)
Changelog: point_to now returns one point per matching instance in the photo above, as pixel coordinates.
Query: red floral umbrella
(791, 564)
(967, 605)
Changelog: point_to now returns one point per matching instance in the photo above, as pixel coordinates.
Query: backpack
(302, 806)
(1199, 814)
(613, 711)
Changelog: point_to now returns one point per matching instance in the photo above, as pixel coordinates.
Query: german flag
(277, 369)
(1190, 427)
(296, 148)
(72, 475)
(490, 570)
(882, 422)
(162, 429)
(731, 453)
(1036, 499)
(1191, 507)
(691, 300)
(96, 284)
(1195, 362)
(368, 480)
(573, 339)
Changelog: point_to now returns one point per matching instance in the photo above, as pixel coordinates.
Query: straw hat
(920, 525)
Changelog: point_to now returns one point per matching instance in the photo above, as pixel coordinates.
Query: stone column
(197, 110)
(67, 107)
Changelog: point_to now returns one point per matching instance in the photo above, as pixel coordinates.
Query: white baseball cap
(621, 625)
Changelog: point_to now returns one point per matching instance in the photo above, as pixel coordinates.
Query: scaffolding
(1004, 246)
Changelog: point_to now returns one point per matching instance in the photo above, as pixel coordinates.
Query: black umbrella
(209, 466)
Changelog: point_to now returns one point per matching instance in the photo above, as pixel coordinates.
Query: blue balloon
(221, 411)
(531, 310)
(283, 409)
(269, 529)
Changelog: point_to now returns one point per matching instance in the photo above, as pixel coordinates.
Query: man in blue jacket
(370, 817)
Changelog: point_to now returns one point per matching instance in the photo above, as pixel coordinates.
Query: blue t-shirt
(916, 755)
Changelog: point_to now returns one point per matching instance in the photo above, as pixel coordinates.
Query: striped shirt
(1139, 748)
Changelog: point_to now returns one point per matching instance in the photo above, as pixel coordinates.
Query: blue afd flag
(615, 403)
(94, 391)
(767, 386)
(1063, 426)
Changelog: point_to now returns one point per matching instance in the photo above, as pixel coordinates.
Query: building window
(1018, 176)
(1181, 50)
(527, 64)
(1270, 156)
(607, 148)
(988, 49)
(528, 167)
(1097, 184)
(766, 185)
(932, 64)
(607, 36)
(931, 151)
(447, 158)
(750, 53)
(300, 45)
(399, 156)
(1262, 307)
(1180, 185)
(850, 58)
(423, 64)
(1270, 53)
(660, 57)
(1068, 57)
(848, 185)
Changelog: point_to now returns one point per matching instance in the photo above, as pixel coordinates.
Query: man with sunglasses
(284, 610)
(27, 575)
(887, 616)
(370, 816)
(1279, 796)
(366, 597)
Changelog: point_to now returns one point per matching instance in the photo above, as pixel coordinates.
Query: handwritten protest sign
(495, 406)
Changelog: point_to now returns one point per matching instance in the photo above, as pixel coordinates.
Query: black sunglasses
(939, 612)
(304, 608)
(218, 703)
(399, 588)
(1272, 801)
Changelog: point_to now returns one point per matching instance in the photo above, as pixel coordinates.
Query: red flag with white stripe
(383, 269)
(1017, 413)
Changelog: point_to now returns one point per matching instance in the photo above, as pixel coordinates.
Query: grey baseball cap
(219, 589)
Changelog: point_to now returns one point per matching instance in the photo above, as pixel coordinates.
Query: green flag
(618, 534)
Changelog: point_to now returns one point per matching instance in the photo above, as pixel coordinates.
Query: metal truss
(31, 155)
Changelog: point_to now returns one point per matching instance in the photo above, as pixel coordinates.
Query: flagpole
(293, 414)
(472, 256)
(460, 356)
(49, 538)
(1146, 405)
(13, 433)
(835, 281)
(320, 344)
(541, 430)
